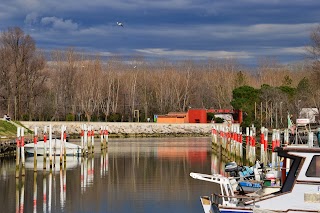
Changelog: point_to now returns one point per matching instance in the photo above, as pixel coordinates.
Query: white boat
(71, 149)
(300, 191)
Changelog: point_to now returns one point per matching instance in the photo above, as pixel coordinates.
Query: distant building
(200, 116)
(173, 117)
(310, 113)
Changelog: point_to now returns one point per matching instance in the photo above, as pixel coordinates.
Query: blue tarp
(248, 184)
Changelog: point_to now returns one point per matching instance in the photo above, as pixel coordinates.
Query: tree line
(69, 85)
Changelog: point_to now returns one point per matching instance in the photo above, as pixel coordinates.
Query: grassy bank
(7, 129)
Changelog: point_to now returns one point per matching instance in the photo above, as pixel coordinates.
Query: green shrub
(70, 117)
(218, 120)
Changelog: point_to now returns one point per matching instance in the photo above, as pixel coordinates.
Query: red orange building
(198, 116)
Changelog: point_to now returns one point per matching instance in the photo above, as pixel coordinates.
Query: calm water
(132, 175)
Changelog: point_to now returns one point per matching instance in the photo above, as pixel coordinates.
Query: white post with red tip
(18, 152)
(22, 152)
(35, 142)
(45, 147)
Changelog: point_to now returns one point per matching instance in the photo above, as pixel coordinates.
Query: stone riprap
(128, 128)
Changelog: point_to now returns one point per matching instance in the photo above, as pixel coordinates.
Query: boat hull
(235, 210)
(70, 148)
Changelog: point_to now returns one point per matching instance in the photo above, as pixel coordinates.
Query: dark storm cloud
(245, 29)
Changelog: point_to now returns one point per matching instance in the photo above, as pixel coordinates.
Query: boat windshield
(293, 171)
(314, 167)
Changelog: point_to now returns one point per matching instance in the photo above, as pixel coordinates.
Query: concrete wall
(127, 128)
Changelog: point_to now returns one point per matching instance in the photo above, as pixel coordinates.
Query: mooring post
(222, 136)
(101, 137)
(251, 145)
(278, 145)
(273, 157)
(18, 152)
(85, 147)
(50, 147)
(247, 143)
(266, 145)
(35, 142)
(92, 139)
(310, 139)
(212, 136)
(82, 142)
(107, 136)
(262, 153)
(254, 135)
(64, 145)
(286, 137)
(237, 140)
(23, 167)
(89, 139)
(45, 147)
(241, 142)
(220, 140)
(61, 149)
(231, 137)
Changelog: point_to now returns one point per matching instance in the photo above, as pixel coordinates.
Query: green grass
(7, 129)
(20, 124)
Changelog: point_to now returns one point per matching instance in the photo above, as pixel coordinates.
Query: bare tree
(22, 64)
(89, 93)
(63, 81)
(110, 89)
(314, 55)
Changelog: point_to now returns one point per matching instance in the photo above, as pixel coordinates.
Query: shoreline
(128, 129)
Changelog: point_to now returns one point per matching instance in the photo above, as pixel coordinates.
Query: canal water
(132, 175)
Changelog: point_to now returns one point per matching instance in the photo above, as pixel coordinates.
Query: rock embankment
(129, 129)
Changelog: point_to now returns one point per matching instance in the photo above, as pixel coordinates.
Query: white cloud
(31, 18)
(59, 23)
(195, 53)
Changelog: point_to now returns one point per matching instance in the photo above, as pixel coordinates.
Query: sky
(245, 30)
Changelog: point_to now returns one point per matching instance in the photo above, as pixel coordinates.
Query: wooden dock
(8, 147)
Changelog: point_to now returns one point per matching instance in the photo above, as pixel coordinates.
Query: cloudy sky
(169, 29)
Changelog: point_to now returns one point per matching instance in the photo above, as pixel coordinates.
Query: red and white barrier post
(61, 148)
(35, 142)
(82, 139)
(64, 145)
(85, 135)
(50, 147)
(89, 140)
(45, 147)
(247, 142)
(240, 141)
(274, 155)
(101, 137)
(92, 139)
(18, 152)
(262, 152)
(107, 135)
(23, 168)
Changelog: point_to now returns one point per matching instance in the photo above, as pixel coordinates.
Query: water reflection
(132, 175)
